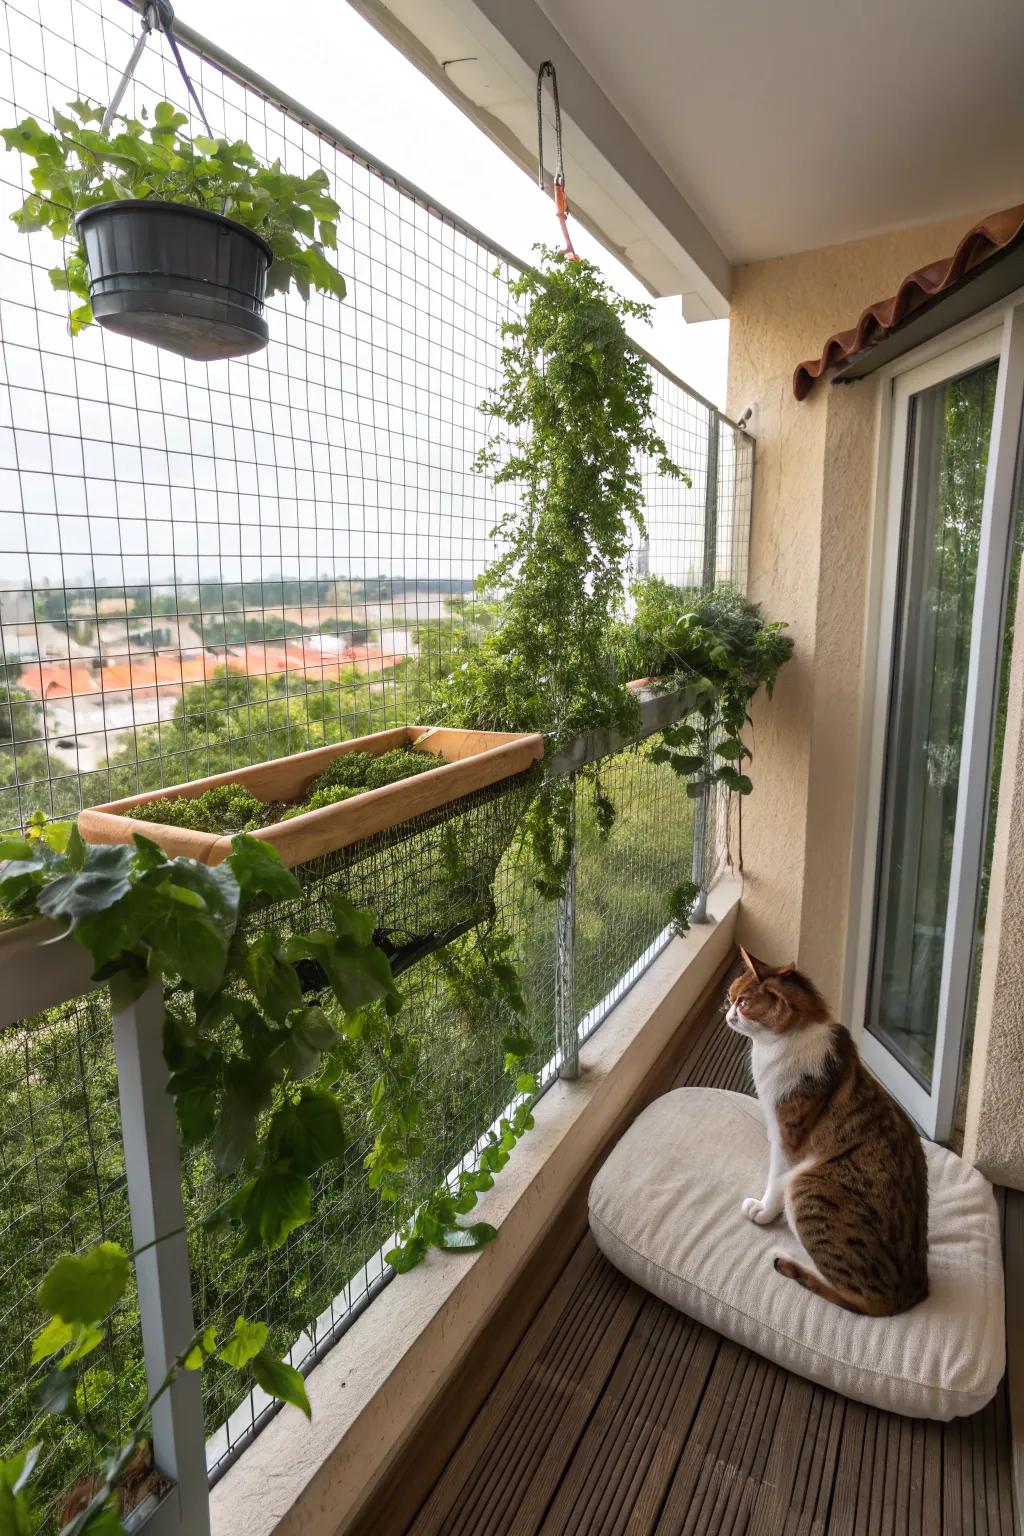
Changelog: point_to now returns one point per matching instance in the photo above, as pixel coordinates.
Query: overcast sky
(125, 466)
(334, 62)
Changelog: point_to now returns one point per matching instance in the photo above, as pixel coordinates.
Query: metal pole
(708, 576)
(709, 572)
(567, 1038)
(150, 1136)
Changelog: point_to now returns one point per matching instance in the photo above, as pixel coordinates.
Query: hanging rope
(157, 17)
(547, 70)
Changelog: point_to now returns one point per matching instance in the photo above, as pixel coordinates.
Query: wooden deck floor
(616, 1414)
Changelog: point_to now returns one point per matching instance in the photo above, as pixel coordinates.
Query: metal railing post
(699, 914)
(567, 1038)
(165, 1289)
(708, 577)
(710, 567)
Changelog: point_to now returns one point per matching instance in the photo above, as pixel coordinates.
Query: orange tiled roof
(56, 680)
(982, 242)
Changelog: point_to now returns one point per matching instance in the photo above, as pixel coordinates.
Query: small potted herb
(178, 239)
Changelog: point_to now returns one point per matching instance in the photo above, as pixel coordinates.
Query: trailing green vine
(253, 1067)
(716, 650)
(573, 417)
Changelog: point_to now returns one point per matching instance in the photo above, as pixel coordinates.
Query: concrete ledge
(376, 1383)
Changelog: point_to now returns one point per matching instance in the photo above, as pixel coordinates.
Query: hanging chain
(547, 71)
(158, 16)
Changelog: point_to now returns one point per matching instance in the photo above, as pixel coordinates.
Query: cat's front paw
(756, 1211)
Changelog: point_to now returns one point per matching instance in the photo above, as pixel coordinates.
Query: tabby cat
(846, 1164)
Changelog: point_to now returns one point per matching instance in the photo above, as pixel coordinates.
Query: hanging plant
(178, 239)
(716, 650)
(573, 416)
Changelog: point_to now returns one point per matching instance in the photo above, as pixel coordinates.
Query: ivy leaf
(247, 1090)
(358, 974)
(350, 922)
(102, 882)
(260, 870)
(53, 1338)
(55, 1393)
(270, 975)
(244, 1344)
(455, 1239)
(271, 1205)
(281, 1381)
(308, 1032)
(733, 750)
(83, 1289)
(308, 1134)
(204, 1346)
(17, 1517)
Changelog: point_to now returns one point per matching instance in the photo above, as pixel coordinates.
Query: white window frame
(998, 333)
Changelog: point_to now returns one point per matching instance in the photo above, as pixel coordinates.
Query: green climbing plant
(716, 650)
(573, 426)
(256, 1052)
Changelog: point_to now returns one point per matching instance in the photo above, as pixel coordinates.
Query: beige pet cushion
(665, 1209)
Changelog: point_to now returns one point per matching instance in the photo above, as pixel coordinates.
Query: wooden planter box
(467, 761)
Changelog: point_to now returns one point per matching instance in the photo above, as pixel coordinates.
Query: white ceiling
(792, 124)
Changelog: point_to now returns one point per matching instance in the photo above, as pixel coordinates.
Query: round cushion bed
(665, 1209)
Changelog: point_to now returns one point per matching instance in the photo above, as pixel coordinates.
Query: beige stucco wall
(813, 503)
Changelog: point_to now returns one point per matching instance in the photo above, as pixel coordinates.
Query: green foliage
(258, 1073)
(716, 650)
(77, 167)
(225, 808)
(229, 808)
(679, 903)
(573, 418)
(573, 423)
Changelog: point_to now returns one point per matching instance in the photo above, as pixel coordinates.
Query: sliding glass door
(952, 494)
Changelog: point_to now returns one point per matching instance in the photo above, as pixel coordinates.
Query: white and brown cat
(846, 1164)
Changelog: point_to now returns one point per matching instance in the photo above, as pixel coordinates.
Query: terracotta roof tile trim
(984, 240)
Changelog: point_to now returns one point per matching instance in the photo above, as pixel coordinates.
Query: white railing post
(153, 1170)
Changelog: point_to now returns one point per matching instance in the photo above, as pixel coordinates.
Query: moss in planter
(226, 808)
(231, 808)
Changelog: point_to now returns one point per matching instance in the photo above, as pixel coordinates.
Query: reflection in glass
(947, 456)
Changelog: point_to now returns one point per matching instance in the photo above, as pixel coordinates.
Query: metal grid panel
(62, 1188)
(162, 523)
(206, 565)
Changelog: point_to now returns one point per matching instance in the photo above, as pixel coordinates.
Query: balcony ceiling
(701, 135)
(797, 124)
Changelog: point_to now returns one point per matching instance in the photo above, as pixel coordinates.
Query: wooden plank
(621, 1438)
(574, 1284)
(776, 1491)
(688, 1394)
(849, 1466)
(931, 1498)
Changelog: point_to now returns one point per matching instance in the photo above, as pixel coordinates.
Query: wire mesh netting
(205, 565)
(62, 1188)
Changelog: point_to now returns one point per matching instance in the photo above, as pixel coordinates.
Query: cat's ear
(757, 968)
(786, 970)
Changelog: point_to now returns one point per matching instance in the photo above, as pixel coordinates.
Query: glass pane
(950, 426)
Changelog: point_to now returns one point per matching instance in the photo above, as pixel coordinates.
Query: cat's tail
(852, 1301)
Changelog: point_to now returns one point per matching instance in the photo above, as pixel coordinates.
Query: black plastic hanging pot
(181, 278)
